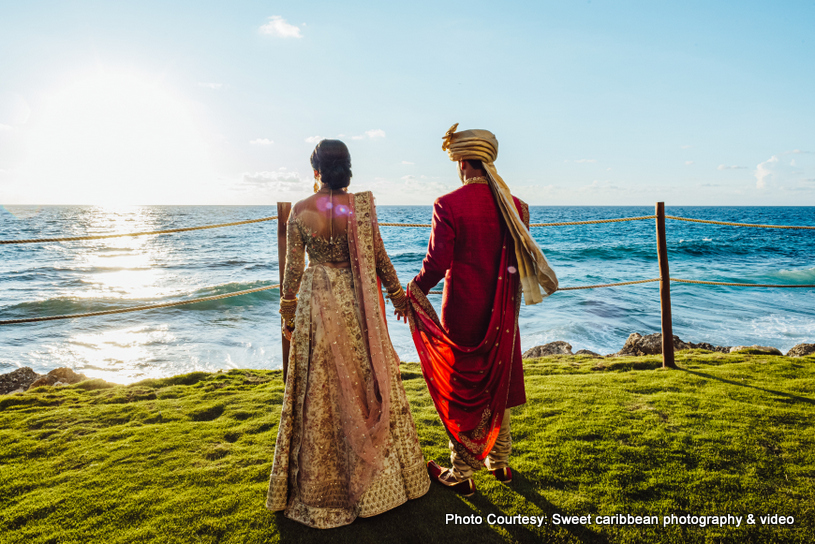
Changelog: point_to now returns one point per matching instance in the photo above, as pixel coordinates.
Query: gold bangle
(398, 299)
(288, 305)
(288, 311)
(396, 293)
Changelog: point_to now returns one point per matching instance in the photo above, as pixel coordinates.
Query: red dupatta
(470, 384)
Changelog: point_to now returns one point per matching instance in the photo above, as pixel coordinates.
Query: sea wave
(804, 276)
(76, 305)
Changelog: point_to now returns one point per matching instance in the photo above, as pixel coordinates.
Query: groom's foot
(444, 476)
(503, 475)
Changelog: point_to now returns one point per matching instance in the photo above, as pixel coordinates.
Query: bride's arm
(295, 264)
(387, 273)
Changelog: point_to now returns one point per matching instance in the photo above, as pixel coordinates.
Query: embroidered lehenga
(347, 445)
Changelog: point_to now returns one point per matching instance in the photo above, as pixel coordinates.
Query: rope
(592, 222)
(737, 225)
(585, 286)
(138, 308)
(540, 224)
(258, 289)
(736, 284)
(76, 238)
(605, 285)
(419, 225)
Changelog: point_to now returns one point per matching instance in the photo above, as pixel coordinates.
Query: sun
(117, 138)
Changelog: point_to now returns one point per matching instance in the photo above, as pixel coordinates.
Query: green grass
(186, 459)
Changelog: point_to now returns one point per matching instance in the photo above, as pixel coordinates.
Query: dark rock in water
(756, 349)
(587, 352)
(802, 350)
(651, 344)
(552, 348)
(59, 376)
(21, 378)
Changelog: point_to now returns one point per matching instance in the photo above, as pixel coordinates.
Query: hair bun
(333, 162)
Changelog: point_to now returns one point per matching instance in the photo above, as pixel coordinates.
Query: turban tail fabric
(533, 267)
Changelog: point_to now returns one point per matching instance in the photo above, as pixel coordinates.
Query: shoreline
(22, 379)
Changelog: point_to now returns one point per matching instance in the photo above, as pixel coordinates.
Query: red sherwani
(465, 249)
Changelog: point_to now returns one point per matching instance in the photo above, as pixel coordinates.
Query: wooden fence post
(283, 209)
(664, 290)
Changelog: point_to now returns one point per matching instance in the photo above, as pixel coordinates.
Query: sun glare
(116, 139)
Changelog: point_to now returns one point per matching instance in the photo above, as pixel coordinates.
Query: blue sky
(593, 103)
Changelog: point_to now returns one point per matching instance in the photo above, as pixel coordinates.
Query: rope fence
(593, 222)
(283, 209)
(139, 308)
(738, 284)
(419, 225)
(436, 292)
(736, 224)
(103, 236)
(606, 285)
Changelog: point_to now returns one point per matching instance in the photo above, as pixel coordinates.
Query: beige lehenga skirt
(315, 469)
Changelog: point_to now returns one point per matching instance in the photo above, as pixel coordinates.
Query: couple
(347, 445)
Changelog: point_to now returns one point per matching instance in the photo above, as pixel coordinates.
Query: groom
(471, 357)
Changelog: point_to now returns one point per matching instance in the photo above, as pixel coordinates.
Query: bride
(346, 444)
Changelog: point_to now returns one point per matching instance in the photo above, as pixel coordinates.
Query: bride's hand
(400, 315)
(287, 332)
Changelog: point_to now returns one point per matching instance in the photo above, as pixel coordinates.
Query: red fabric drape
(469, 384)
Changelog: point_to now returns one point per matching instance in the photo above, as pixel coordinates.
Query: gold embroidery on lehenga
(323, 250)
(313, 465)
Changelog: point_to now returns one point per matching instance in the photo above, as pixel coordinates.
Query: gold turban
(532, 265)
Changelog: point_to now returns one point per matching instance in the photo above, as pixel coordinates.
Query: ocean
(243, 332)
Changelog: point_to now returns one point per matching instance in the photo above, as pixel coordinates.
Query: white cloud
(215, 86)
(375, 133)
(313, 139)
(785, 174)
(407, 162)
(688, 163)
(262, 141)
(4, 128)
(685, 147)
(277, 26)
(280, 180)
(764, 170)
(733, 167)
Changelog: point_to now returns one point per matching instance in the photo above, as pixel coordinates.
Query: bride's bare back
(325, 214)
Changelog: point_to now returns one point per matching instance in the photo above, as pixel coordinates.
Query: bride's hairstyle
(333, 161)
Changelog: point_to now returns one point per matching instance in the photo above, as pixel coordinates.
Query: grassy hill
(186, 459)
